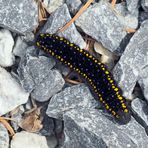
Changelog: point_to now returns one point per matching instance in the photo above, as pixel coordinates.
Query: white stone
(6, 46)
(11, 92)
(28, 140)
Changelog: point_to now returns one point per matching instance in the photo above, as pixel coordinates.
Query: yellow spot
(90, 56)
(71, 44)
(52, 53)
(81, 50)
(103, 68)
(70, 66)
(106, 72)
(106, 106)
(113, 86)
(121, 101)
(41, 34)
(67, 43)
(38, 44)
(84, 74)
(61, 39)
(116, 89)
(111, 81)
(99, 95)
(57, 37)
(95, 90)
(96, 61)
(126, 110)
(68, 63)
(103, 102)
(109, 78)
(59, 57)
(77, 69)
(119, 97)
(78, 49)
(95, 87)
(87, 54)
(113, 113)
(101, 99)
(62, 59)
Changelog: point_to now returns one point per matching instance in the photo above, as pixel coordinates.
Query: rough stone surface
(4, 137)
(132, 5)
(133, 59)
(128, 19)
(57, 20)
(144, 4)
(100, 22)
(6, 46)
(11, 92)
(52, 84)
(52, 5)
(74, 5)
(89, 128)
(19, 16)
(72, 97)
(143, 81)
(32, 70)
(20, 47)
(28, 140)
(140, 109)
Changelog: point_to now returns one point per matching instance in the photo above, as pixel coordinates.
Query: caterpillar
(95, 73)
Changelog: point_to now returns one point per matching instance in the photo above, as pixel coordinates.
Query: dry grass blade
(7, 125)
(76, 16)
(42, 12)
(130, 30)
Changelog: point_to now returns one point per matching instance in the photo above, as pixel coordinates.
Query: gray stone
(32, 70)
(29, 140)
(6, 46)
(20, 47)
(89, 128)
(100, 22)
(140, 109)
(57, 20)
(19, 16)
(144, 4)
(12, 94)
(132, 61)
(48, 126)
(142, 16)
(128, 19)
(72, 97)
(143, 81)
(132, 5)
(4, 137)
(52, 142)
(52, 5)
(74, 5)
(49, 86)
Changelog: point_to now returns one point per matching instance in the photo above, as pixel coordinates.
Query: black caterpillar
(94, 72)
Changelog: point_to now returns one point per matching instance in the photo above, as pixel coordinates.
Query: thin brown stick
(113, 3)
(130, 30)
(76, 16)
(7, 125)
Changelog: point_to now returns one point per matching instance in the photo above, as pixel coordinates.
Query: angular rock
(140, 109)
(20, 47)
(143, 81)
(52, 5)
(132, 61)
(89, 128)
(70, 98)
(74, 5)
(144, 4)
(52, 84)
(11, 94)
(128, 19)
(28, 140)
(4, 137)
(32, 70)
(132, 5)
(19, 16)
(6, 46)
(100, 22)
(57, 20)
